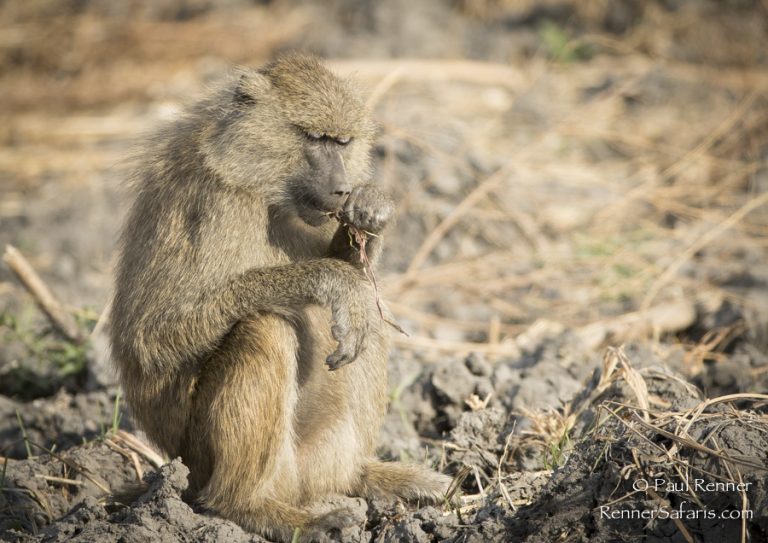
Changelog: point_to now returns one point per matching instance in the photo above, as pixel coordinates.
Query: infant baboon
(244, 330)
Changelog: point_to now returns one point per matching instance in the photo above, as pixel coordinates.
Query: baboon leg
(339, 413)
(247, 396)
(407, 481)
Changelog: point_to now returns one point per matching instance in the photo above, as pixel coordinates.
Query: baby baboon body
(234, 288)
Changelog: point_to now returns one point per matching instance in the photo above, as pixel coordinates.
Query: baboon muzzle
(328, 175)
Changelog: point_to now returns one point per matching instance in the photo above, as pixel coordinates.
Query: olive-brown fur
(244, 330)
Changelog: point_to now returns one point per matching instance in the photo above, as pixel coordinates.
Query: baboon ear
(249, 87)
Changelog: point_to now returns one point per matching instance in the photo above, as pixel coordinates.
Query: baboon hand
(349, 328)
(368, 208)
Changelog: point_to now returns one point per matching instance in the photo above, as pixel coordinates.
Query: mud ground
(579, 258)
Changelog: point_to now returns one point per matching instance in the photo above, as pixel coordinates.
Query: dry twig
(59, 317)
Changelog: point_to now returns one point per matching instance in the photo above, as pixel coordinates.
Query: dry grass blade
(457, 481)
(499, 477)
(129, 455)
(137, 466)
(60, 480)
(134, 443)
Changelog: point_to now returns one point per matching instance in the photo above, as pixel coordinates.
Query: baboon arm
(171, 339)
(326, 281)
(282, 289)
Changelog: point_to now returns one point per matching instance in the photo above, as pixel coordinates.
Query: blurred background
(557, 160)
(571, 175)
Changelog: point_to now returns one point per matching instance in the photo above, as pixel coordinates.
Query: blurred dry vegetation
(560, 160)
(594, 158)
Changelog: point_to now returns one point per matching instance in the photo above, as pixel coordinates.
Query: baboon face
(331, 122)
(295, 133)
(325, 184)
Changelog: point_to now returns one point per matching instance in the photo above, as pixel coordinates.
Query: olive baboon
(243, 327)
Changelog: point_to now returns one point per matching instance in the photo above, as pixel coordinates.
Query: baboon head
(294, 132)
